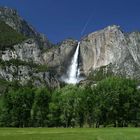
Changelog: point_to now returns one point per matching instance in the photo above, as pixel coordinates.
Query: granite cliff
(12, 18)
(23, 62)
(109, 51)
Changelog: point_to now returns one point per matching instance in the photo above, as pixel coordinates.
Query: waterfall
(73, 72)
(73, 69)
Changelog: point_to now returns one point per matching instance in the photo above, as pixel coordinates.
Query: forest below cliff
(32, 95)
(114, 102)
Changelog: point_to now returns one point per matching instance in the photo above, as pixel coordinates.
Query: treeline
(112, 102)
(31, 64)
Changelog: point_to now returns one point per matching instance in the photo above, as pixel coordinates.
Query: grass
(69, 134)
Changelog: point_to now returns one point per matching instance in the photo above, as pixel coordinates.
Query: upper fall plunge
(73, 72)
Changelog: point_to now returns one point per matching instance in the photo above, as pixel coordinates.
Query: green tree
(40, 108)
(16, 108)
(114, 96)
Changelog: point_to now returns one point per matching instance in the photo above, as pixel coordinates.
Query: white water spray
(86, 24)
(73, 71)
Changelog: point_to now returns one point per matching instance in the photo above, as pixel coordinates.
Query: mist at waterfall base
(73, 72)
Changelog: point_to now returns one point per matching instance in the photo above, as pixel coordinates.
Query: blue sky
(61, 19)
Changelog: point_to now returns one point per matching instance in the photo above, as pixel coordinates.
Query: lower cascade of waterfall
(73, 73)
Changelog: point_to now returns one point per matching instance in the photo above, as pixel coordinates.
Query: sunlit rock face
(58, 58)
(26, 51)
(109, 49)
(134, 46)
(37, 50)
(102, 48)
(21, 62)
(111, 46)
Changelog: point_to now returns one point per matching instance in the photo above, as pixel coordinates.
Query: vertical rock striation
(111, 46)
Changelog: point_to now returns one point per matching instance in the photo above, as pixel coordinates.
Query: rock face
(111, 47)
(60, 57)
(25, 74)
(11, 17)
(24, 62)
(105, 51)
(27, 51)
(28, 61)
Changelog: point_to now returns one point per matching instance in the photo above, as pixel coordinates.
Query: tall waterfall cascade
(73, 72)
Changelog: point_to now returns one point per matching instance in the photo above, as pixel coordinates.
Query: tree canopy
(113, 101)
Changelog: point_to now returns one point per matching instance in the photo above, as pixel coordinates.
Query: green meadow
(69, 134)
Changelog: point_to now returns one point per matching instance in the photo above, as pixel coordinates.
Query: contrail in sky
(85, 26)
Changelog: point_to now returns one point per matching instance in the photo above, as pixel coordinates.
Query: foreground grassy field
(70, 134)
